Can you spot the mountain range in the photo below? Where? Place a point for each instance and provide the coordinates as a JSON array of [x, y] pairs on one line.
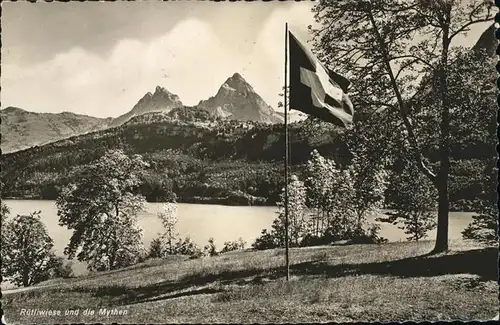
[[235, 99]]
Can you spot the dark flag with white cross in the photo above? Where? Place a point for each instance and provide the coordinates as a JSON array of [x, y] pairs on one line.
[[315, 90]]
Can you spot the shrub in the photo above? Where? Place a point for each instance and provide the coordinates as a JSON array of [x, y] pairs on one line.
[[265, 241], [60, 269], [210, 249], [155, 248], [233, 245], [187, 247]]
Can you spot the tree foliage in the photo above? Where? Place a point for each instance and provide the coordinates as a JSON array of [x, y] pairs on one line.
[[230, 246], [101, 208], [4, 212], [27, 256], [297, 219], [415, 203], [327, 207], [484, 226], [393, 51], [331, 196]]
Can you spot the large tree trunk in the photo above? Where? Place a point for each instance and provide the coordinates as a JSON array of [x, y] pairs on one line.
[[443, 208], [444, 145], [26, 276]]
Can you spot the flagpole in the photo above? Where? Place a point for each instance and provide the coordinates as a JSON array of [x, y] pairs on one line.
[[287, 260]]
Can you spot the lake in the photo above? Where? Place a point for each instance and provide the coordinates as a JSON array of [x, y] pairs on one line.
[[202, 221]]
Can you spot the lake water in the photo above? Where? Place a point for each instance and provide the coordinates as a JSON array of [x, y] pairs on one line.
[[202, 221]]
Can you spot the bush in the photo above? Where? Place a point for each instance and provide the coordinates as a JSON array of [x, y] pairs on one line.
[[126, 258], [265, 241], [369, 236], [233, 245], [187, 247], [210, 249], [60, 269], [313, 240], [155, 248]]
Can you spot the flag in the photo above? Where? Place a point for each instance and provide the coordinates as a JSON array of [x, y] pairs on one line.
[[315, 90]]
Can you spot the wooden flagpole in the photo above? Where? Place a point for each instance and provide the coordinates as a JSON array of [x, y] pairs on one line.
[[287, 260]]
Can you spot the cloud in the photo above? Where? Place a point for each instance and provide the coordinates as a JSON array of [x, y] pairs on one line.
[[190, 60]]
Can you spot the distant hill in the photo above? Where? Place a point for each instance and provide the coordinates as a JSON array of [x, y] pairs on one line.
[[22, 129], [237, 100]]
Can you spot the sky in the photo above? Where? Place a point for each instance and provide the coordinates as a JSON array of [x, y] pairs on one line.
[[100, 58]]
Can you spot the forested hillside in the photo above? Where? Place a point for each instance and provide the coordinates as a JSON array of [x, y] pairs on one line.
[[199, 157]]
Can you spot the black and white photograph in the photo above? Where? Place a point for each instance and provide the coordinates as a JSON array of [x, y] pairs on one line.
[[249, 161]]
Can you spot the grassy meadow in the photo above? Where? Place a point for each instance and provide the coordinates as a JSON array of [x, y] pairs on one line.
[[387, 282]]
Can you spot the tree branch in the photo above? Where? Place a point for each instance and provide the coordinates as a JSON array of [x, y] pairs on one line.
[[402, 106], [411, 56], [471, 22]]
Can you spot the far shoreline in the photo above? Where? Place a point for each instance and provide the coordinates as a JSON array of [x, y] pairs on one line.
[[195, 200], [211, 201]]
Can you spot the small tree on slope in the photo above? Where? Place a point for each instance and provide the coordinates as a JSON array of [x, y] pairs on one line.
[[415, 204], [27, 256]]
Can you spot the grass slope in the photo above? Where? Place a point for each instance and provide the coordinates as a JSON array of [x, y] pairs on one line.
[[389, 282]]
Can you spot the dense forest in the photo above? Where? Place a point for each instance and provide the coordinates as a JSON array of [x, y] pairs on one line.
[[195, 157]]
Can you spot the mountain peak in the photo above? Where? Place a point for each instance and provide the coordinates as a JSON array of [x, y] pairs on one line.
[[162, 90], [237, 76], [237, 83], [236, 99], [161, 100]]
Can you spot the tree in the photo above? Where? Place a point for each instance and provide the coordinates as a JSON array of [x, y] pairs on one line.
[[4, 214], [297, 210], [370, 182], [484, 226], [415, 203], [297, 217], [331, 194], [169, 218], [385, 47], [101, 208], [26, 250]]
